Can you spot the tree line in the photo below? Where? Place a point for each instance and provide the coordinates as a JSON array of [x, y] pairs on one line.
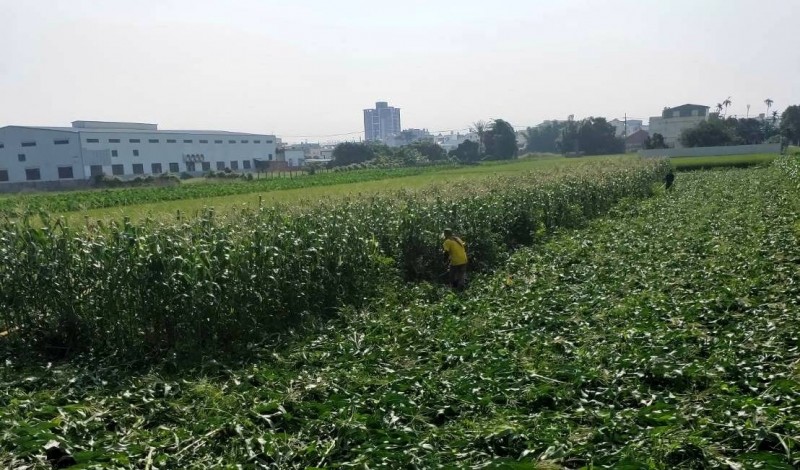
[[589, 136], [742, 131], [496, 141]]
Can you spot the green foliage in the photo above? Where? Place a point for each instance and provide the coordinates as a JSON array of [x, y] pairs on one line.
[[348, 153], [544, 138], [790, 124], [466, 152], [730, 131], [430, 150], [500, 141], [591, 136], [212, 284], [656, 141], [662, 336], [83, 200]]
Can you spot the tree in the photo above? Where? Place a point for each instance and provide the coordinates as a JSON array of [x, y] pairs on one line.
[[480, 129], [501, 140], [597, 137], [719, 108], [656, 141], [768, 102], [466, 152], [710, 133], [790, 124], [749, 131], [347, 153], [543, 138], [727, 103], [432, 151]]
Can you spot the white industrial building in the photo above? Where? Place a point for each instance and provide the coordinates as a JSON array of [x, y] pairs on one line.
[[675, 120], [124, 149]]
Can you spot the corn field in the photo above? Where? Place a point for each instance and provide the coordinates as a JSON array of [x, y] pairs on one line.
[[213, 283]]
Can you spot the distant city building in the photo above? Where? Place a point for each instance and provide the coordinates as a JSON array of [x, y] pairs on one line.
[[124, 149], [674, 120], [382, 122]]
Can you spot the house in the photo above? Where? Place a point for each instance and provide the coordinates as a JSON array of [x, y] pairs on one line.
[[674, 120], [626, 128], [636, 141]]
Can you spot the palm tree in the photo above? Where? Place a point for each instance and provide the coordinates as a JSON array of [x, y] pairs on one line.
[[719, 108], [480, 129], [774, 116], [727, 103], [768, 102]]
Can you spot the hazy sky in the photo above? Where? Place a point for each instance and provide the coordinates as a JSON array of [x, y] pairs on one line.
[[308, 68]]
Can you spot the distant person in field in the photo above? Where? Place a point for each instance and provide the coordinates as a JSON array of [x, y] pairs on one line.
[[669, 179], [455, 249]]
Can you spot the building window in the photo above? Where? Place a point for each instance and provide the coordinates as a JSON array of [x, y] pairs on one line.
[[190, 166], [96, 170], [234, 164], [268, 141], [92, 141], [246, 164], [2, 145], [676, 114], [220, 166], [114, 153], [245, 141], [694, 112], [65, 173], [61, 141], [231, 141], [138, 169], [187, 141], [135, 153], [270, 156], [153, 141], [113, 141], [3, 175], [155, 168], [217, 141], [256, 141], [31, 143], [171, 141], [206, 166], [133, 141], [21, 157], [32, 174], [203, 141], [117, 170], [173, 168]]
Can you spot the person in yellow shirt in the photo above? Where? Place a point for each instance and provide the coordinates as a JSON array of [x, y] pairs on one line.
[[457, 252]]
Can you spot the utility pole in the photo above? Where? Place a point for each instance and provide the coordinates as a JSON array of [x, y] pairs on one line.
[[625, 128]]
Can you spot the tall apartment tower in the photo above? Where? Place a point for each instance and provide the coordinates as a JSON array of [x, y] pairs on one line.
[[381, 122]]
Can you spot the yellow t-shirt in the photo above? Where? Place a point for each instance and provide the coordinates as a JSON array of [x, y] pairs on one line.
[[458, 255]]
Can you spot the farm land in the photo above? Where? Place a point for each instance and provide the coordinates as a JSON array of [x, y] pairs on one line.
[[609, 323]]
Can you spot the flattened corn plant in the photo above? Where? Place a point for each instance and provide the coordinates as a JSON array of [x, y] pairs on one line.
[[211, 284]]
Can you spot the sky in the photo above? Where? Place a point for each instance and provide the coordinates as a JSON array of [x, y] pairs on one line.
[[304, 70]]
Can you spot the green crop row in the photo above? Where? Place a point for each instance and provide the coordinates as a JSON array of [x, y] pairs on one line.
[[94, 199], [664, 335], [209, 284]]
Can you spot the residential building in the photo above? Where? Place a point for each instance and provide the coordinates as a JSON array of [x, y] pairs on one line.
[[382, 122], [674, 120], [635, 142], [452, 140], [408, 136], [625, 128], [124, 149], [309, 150]]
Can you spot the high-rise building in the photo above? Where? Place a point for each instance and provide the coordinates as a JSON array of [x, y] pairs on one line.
[[381, 122]]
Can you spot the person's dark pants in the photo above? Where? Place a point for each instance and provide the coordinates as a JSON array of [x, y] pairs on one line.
[[458, 276]]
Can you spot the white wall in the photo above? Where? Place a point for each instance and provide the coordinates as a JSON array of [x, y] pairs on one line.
[[46, 155], [671, 128], [712, 151], [88, 147]]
